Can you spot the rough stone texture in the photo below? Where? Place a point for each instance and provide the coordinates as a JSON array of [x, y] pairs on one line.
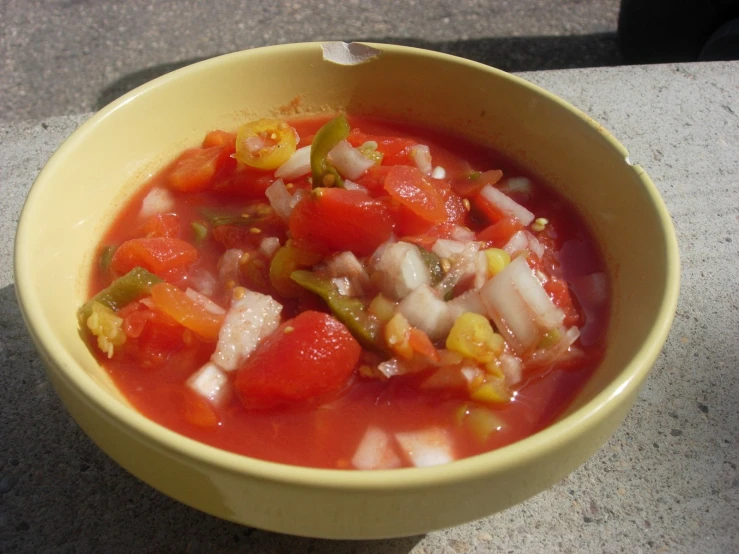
[[71, 56], [667, 480]]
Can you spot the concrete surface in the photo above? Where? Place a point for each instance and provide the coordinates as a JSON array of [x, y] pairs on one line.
[[667, 480], [73, 56]]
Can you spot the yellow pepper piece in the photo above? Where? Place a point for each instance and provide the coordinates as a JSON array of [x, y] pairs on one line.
[[107, 327], [473, 337], [497, 260], [493, 391], [265, 143], [397, 334]]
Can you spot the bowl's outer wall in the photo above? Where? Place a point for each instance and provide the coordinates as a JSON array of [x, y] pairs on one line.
[[97, 169]]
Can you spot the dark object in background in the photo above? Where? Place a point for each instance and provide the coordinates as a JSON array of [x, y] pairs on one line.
[[658, 31]]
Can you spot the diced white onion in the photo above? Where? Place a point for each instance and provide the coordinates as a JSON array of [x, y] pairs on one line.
[[427, 448], [506, 204], [228, 266], [445, 248], [158, 201], [421, 156], [518, 184], [351, 185], [203, 281], [425, 310], [517, 243], [392, 367], [512, 368], [296, 166], [204, 301], [532, 292], [376, 451], [470, 373], [343, 285], [401, 269], [481, 270], [438, 172], [210, 382], [511, 315], [467, 302], [250, 319], [547, 356], [280, 199], [348, 161], [269, 246], [462, 234]]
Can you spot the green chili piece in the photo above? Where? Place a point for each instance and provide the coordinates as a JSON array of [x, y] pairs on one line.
[[433, 263], [124, 290], [106, 257], [350, 311], [200, 230], [328, 136]]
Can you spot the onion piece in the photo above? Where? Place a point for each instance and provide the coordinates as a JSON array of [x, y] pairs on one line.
[[425, 310], [204, 301], [210, 382], [228, 267], [512, 368], [249, 320], [421, 156], [296, 166], [427, 448], [445, 248], [376, 451], [507, 205], [462, 234], [467, 302], [392, 367], [401, 269], [351, 185], [438, 172], [280, 199], [269, 246], [158, 201], [547, 356], [532, 292], [348, 161], [522, 241]]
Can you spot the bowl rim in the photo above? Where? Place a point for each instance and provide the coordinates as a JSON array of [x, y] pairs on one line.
[[535, 446]]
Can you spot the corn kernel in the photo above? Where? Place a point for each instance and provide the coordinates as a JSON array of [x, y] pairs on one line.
[[491, 392], [497, 260], [473, 337]]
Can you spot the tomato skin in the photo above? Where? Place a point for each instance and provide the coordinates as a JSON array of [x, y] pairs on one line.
[[414, 190], [498, 234], [308, 357], [333, 220], [196, 168], [166, 257]]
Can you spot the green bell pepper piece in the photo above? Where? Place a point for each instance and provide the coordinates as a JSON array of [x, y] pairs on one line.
[[328, 136], [124, 290], [350, 311]]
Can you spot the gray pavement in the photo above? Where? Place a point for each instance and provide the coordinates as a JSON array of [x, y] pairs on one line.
[[61, 57]]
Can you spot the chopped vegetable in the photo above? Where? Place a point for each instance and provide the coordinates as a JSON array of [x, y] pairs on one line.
[[375, 451], [106, 257], [480, 422], [124, 290], [350, 311], [497, 260], [296, 166], [166, 257], [286, 260], [306, 358], [187, 312], [210, 382], [200, 231], [400, 269], [250, 319], [348, 161], [195, 169], [107, 327], [414, 190], [265, 143], [427, 448], [327, 137], [433, 264], [506, 205], [472, 336], [425, 310]]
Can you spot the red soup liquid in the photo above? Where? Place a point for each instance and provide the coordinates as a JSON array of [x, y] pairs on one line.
[[198, 201]]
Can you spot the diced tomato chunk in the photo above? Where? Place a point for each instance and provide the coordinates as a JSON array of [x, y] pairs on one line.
[[308, 357], [152, 337], [469, 185], [167, 257], [395, 150], [161, 225], [335, 220], [222, 139], [498, 234], [374, 179], [559, 292], [195, 169], [414, 190], [245, 182]]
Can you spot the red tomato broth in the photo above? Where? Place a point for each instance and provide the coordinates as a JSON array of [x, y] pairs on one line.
[[327, 435]]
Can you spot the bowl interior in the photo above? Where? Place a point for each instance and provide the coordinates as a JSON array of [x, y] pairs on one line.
[[97, 169]]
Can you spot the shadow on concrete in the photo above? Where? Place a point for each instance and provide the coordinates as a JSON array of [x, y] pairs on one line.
[[507, 53], [60, 493]]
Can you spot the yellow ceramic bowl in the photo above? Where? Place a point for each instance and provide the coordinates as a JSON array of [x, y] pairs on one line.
[[97, 168]]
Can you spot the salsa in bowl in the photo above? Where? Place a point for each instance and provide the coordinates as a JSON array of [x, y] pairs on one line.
[[384, 279]]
